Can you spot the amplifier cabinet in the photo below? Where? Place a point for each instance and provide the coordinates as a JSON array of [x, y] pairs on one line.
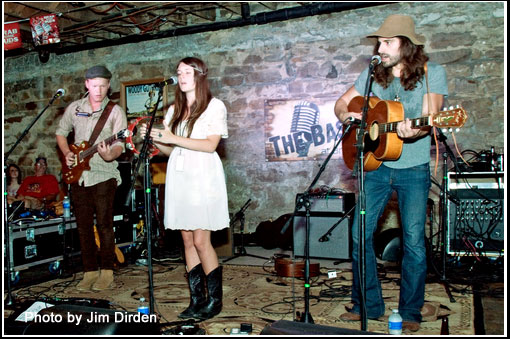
[[326, 210], [335, 202], [338, 245], [33, 243], [475, 214]]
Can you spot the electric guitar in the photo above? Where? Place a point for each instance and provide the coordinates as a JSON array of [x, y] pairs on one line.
[[118, 252], [83, 152], [381, 142]]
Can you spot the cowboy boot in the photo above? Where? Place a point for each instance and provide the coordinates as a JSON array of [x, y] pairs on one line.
[[89, 278], [196, 281], [215, 294], [104, 281]]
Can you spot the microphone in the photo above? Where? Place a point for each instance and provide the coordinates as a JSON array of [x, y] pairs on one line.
[[351, 120], [376, 60], [306, 114], [324, 238], [60, 93], [171, 81]]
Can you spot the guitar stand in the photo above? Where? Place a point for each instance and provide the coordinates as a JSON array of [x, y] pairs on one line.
[[242, 251]]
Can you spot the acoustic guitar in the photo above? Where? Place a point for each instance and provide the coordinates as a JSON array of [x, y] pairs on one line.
[[83, 152], [381, 142]]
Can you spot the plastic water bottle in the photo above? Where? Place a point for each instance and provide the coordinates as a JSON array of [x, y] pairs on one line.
[[67, 207], [143, 308], [395, 323]]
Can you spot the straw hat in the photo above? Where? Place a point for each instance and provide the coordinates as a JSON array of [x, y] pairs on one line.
[[399, 25]]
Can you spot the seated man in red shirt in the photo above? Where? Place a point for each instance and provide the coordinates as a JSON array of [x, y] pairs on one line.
[[38, 190]]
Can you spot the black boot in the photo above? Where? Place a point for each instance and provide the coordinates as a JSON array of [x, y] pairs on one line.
[[215, 294], [196, 280]]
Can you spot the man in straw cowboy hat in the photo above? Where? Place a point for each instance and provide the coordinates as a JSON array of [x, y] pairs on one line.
[[400, 76]]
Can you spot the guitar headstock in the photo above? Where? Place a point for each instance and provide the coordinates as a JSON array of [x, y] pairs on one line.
[[454, 117], [123, 134]]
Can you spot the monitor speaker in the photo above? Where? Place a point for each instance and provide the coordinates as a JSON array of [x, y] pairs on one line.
[[338, 245], [69, 319], [293, 328]]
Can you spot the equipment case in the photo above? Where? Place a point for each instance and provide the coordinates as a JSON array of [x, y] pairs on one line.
[[35, 242]]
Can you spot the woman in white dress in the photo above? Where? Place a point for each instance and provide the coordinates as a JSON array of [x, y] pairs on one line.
[[195, 191]]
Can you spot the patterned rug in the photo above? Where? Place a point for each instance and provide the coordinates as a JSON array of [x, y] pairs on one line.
[[258, 296]]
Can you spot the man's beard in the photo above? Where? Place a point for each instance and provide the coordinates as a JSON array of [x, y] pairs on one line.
[[394, 60]]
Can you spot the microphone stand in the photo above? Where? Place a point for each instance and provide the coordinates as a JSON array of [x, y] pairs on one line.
[[304, 200], [242, 251], [325, 236], [444, 209], [9, 299], [147, 186], [359, 168]]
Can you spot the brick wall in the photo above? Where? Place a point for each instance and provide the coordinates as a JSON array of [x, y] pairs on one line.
[[313, 57]]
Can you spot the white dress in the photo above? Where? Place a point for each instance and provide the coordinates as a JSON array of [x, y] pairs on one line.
[[196, 192]]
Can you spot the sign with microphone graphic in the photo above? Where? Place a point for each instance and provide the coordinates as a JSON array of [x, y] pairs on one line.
[[296, 130]]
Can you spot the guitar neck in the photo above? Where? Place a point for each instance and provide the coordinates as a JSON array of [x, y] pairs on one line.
[[90, 151], [415, 123]]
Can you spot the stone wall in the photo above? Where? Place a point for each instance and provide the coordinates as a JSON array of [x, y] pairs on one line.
[[308, 58]]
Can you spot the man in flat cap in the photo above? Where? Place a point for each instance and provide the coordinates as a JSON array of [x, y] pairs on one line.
[[94, 119], [404, 75]]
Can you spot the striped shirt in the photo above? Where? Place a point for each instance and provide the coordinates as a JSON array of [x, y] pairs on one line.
[[76, 117]]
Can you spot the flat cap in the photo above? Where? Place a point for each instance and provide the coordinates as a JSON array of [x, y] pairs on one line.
[[98, 72]]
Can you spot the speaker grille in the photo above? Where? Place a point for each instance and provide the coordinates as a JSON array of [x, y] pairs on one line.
[[336, 246]]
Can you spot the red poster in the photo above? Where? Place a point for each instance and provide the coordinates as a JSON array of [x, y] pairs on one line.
[[45, 29], [12, 36]]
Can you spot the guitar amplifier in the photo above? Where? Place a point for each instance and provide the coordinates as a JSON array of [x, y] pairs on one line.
[[328, 210], [334, 201]]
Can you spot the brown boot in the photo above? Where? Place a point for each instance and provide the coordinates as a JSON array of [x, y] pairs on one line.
[[104, 281], [89, 278]]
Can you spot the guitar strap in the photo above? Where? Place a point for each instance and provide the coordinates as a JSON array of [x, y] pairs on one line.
[[100, 123]]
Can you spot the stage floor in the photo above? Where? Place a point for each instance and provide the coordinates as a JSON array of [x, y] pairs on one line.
[[255, 293]]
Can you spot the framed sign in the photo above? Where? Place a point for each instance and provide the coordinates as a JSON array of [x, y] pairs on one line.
[[139, 97], [300, 130]]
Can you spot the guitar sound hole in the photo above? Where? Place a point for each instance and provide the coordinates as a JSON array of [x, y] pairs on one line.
[[374, 131]]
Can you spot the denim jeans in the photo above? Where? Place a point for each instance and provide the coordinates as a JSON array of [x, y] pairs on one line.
[[412, 186]]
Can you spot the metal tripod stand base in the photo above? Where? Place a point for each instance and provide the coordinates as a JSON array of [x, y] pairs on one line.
[[243, 253]]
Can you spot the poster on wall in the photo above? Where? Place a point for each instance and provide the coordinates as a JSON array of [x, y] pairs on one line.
[[300, 130], [45, 29], [139, 97], [12, 36]]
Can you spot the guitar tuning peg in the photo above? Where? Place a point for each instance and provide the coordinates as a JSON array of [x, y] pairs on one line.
[[457, 130], [444, 130], [457, 106], [450, 130], [451, 107]]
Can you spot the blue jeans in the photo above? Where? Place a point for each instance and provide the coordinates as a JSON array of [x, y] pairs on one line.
[[412, 186]]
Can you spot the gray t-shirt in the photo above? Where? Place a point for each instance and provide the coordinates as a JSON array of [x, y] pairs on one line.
[[414, 152]]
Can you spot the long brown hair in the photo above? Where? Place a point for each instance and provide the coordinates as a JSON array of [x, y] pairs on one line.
[[413, 58], [202, 96], [9, 178]]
